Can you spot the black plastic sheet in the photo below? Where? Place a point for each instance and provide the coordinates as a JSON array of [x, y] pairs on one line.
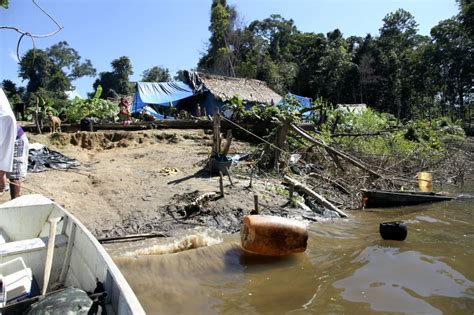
[[42, 159]]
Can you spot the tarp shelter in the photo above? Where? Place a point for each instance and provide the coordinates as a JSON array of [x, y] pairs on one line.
[[162, 93], [304, 101]]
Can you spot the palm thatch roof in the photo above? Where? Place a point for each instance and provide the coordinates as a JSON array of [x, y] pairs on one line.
[[249, 90]]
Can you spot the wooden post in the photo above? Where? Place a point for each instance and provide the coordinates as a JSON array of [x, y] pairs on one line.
[[228, 175], [221, 183], [255, 203], [291, 191], [281, 140], [37, 122], [251, 177], [216, 135]]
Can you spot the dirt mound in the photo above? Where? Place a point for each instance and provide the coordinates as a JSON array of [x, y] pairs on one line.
[[120, 139]]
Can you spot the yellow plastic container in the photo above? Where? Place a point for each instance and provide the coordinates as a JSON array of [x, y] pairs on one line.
[[424, 181]]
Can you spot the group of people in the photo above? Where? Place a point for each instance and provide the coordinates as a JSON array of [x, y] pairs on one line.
[[13, 150]]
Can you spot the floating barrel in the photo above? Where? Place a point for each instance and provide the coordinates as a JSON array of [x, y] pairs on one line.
[[273, 236], [396, 230]]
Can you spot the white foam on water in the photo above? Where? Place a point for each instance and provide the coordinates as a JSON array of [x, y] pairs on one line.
[[191, 240]]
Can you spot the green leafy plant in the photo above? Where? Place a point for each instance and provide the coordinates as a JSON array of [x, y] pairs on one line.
[[95, 108]]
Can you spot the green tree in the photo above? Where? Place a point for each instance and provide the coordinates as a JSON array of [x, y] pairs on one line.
[[53, 70], [397, 39], [116, 82], [333, 68], [466, 16], [453, 57], [272, 40], [219, 58], [156, 74], [13, 93]]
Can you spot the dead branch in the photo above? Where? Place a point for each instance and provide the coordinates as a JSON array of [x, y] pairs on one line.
[[342, 188], [353, 161], [299, 186]]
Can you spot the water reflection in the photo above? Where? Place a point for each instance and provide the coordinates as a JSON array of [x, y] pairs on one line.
[[395, 281], [346, 269]]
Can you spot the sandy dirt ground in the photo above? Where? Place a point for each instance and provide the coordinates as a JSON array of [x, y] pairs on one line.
[[123, 186]]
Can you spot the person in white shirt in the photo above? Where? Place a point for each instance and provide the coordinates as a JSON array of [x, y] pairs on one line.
[[8, 131]]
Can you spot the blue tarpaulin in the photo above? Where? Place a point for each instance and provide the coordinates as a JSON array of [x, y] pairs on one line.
[[162, 93], [305, 101]]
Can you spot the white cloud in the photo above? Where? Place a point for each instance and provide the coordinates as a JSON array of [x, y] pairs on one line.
[[13, 55], [72, 94]]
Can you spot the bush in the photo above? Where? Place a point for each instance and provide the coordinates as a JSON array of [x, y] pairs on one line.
[[94, 107]]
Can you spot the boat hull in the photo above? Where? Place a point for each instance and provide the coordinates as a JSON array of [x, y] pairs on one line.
[[78, 258], [386, 199]]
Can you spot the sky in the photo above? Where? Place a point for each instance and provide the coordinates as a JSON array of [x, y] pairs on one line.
[[174, 33]]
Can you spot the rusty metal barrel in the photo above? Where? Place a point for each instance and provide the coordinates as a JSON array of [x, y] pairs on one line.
[[273, 236]]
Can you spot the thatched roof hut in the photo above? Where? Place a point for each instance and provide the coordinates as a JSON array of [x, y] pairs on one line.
[[249, 90]]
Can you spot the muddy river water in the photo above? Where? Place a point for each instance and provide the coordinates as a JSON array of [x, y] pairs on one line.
[[346, 269]]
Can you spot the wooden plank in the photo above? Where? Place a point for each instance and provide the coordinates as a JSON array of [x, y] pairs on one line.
[[30, 245]]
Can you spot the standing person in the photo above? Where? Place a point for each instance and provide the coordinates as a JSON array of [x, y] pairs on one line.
[[198, 110], [124, 111], [20, 162], [7, 138]]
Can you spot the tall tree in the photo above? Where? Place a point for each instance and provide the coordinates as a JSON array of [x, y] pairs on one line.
[[218, 58], [397, 39], [53, 70], [116, 82], [453, 56], [156, 74]]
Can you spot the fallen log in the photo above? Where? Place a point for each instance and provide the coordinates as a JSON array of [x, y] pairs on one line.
[[351, 160], [323, 201]]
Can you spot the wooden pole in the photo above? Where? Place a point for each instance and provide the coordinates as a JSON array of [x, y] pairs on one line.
[[133, 237], [321, 200], [255, 203], [221, 183], [37, 122], [251, 177], [281, 140], [228, 176], [291, 191], [216, 134], [49, 253]]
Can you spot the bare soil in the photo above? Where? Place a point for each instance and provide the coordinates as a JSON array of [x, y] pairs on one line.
[[127, 184]]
